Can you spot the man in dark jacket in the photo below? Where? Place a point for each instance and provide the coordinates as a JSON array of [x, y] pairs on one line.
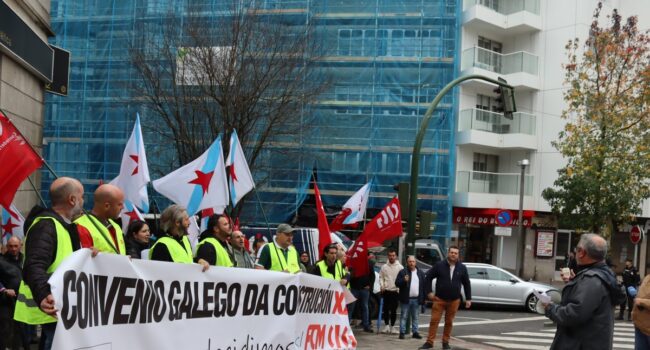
[[411, 295], [630, 279], [10, 335], [450, 274], [361, 287], [585, 317], [66, 195]]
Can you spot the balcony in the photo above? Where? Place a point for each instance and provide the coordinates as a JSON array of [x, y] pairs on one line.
[[478, 189], [520, 69], [503, 17], [485, 128]]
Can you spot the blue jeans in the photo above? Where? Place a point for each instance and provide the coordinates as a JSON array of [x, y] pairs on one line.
[[362, 296], [47, 336], [411, 309], [641, 341]]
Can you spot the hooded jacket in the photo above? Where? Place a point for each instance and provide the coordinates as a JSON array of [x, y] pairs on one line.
[[585, 317]]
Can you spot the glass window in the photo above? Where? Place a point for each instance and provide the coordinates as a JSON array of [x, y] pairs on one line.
[[498, 275], [477, 273], [427, 256]]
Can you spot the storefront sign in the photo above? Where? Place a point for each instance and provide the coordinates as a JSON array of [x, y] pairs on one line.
[[476, 216], [544, 244], [20, 42], [61, 75]]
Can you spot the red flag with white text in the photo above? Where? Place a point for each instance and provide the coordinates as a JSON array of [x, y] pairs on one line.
[[17, 161], [386, 225], [358, 257]]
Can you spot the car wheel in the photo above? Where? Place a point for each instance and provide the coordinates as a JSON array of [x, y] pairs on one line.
[[531, 303]]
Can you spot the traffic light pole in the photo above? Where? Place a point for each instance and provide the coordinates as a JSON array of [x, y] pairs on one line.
[[415, 159]]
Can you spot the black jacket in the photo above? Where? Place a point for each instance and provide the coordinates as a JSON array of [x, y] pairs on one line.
[[362, 282], [134, 248], [631, 277], [448, 288], [10, 277], [585, 317], [40, 249], [405, 287]]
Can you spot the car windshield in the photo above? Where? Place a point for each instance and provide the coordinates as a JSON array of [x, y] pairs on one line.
[[427, 256]]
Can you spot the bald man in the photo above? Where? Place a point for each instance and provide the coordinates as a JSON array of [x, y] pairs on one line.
[[51, 236], [98, 228]]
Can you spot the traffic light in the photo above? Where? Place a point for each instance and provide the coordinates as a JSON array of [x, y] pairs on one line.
[[426, 220], [505, 100]]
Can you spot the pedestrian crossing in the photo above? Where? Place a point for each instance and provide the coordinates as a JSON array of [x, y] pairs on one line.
[[541, 340]]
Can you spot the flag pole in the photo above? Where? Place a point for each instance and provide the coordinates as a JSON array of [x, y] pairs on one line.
[[268, 227], [37, 192]]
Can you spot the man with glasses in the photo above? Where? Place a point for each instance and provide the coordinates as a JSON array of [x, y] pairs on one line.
[[585, 316], [280, 255]]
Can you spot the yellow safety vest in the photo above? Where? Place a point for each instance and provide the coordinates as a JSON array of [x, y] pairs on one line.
[[102, 239], [27, 310], [280, 263], [223, 258], [179, 253], [338, 270]]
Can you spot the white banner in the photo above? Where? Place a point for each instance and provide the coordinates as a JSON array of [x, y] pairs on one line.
[[111, 302]]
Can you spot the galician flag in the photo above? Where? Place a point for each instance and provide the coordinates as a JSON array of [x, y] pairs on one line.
[[12, 224], [241, 180], [354, 209], [129, 213], [134, 172], [200, 184]]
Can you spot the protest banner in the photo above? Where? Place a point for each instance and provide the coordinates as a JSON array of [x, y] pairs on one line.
[[112, 302]]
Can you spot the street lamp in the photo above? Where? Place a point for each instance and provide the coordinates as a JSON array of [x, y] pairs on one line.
[[520, 223]]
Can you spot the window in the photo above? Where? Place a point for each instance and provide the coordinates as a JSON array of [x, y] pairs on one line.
[[477, 273], [427, 256], [498, 275], [483, 164]]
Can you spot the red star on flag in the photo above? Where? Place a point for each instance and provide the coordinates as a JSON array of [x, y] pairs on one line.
[[132, 215], [233, 176], [8, 227], [135, 159], [202, 179]]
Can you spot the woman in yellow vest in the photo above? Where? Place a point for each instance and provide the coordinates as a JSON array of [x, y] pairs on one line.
[[331, 267], [174, 246]]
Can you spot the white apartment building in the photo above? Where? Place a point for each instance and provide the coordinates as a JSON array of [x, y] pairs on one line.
[[522, 41]]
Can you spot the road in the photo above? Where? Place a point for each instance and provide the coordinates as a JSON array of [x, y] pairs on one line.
[[489, 328]]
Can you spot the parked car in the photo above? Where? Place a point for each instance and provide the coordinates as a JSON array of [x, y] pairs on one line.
[[493, 285]]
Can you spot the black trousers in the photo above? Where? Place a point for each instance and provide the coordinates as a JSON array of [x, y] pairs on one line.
[[391, 300], [630, 303]]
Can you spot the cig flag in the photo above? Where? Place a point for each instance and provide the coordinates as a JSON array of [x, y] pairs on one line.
[[134, 172], [12, 224], [241, 180], [200, 184], [354, 209], [324, 235], [17, 160], [386, 225]]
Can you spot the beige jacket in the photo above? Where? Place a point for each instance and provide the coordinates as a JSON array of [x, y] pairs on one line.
[[641, 310], [388, 274]]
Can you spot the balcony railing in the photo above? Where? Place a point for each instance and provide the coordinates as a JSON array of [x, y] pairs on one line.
[[507, 7], [478, 119], [494, 183], [515, 62]]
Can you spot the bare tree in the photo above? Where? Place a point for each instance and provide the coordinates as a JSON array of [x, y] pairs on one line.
[[208, 71]]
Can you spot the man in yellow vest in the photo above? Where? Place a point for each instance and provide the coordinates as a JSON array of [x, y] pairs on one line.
[[214, 247], [331, 267], [280, 255], [97, 228], [51, 236]]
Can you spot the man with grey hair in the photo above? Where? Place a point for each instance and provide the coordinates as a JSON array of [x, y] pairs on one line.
[[585, 316], [242, 258]]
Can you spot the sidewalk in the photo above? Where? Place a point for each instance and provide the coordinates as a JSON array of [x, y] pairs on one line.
[[367, 341]]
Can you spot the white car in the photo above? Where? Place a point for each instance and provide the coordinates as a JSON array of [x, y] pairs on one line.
[[493, 285]]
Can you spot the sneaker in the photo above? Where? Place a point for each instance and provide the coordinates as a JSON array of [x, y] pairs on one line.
[[426, 346], [445, 346], [417, 336], [401, 335], [386, 329]]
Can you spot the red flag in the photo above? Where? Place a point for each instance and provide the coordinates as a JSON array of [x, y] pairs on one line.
[[324, 235], [337, 223], [358, 257], [18, 161], [386, 225]]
